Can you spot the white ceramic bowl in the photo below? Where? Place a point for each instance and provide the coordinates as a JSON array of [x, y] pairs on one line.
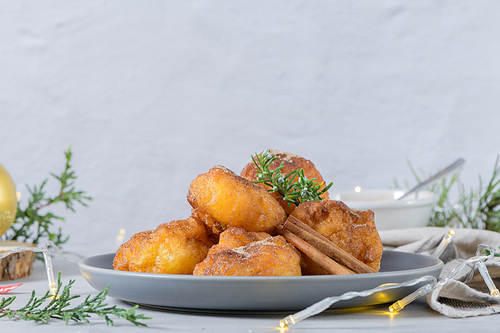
[[412, 211]]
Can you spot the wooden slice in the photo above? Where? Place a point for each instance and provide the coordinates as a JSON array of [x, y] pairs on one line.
[[15, 265]]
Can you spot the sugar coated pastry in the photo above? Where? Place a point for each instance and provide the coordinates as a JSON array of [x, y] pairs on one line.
[[173, 248], [225, 200]]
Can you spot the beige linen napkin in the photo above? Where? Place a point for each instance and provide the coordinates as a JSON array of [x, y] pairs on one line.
[[460, 297], [425, 241]]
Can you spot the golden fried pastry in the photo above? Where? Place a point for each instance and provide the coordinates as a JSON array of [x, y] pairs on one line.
[[173, 248], [291, 162], [351, 229], [242, 253], [237, 237], [223, 199]]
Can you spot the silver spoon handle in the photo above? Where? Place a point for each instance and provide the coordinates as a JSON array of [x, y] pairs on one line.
[[437, 176]]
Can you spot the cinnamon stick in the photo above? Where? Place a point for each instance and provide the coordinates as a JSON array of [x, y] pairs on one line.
[[331, 266], [325, 246]]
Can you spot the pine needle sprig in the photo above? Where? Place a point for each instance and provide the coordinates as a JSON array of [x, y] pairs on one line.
[[32, 224], [293, 187], [57, 307]]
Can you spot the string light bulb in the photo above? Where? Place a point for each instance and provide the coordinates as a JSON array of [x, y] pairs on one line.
[[422, 291], [443, 244], [487, 279]]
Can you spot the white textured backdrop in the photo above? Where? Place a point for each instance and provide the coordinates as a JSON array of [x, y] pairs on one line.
[[152, 93]]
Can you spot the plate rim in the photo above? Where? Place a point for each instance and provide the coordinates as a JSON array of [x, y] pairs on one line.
[[82, 263], [173, 291]]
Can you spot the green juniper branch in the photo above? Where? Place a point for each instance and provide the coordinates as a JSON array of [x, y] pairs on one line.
[[57, 307], [477, 208], [481, 208], [31, 224]]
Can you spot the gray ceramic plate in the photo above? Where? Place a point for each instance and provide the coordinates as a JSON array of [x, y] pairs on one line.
[[256, 294]]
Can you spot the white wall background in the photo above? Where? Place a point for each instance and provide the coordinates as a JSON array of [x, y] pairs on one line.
[[152, 93]]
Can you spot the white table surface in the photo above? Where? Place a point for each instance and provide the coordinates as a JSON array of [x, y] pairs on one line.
[[416, 317]]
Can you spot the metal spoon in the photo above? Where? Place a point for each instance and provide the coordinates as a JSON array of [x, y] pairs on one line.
[[437, 176]]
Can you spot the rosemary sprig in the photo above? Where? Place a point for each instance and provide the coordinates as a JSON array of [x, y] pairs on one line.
[[31, 225], [294, 187], [57, 307]]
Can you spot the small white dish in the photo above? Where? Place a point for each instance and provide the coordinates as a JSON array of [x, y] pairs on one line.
[[412, 211]]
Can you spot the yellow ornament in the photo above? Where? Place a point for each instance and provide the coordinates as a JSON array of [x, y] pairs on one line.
[[8, 201]]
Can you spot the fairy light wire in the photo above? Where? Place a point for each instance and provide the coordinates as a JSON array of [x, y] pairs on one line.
[[422, 291], [432, 283], [397, 306], [472, 263], [327, 302], [47, 259]]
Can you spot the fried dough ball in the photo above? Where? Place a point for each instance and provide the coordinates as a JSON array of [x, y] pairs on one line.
[[223, 199], [173, 248], [237, 237], [242, 253], [291, 162], [351, 229]]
